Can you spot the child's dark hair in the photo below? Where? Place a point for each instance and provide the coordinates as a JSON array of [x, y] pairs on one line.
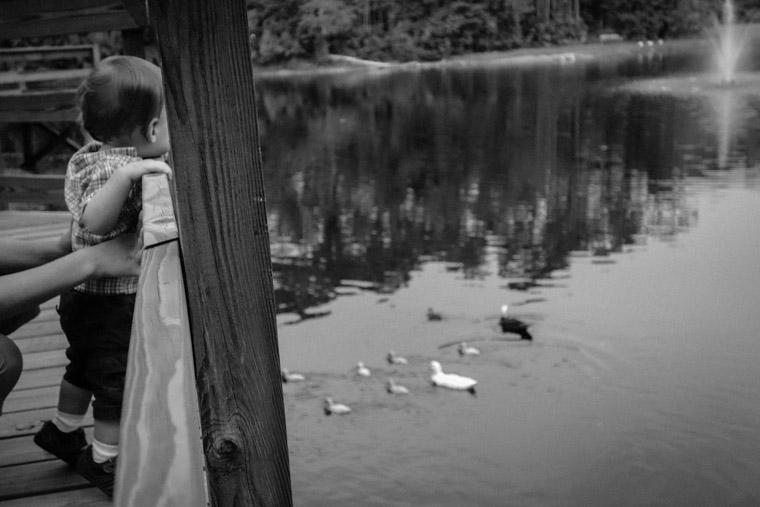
[[120, 94]]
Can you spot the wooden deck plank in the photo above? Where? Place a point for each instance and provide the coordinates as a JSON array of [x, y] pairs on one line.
[[30, 399], [29, 422], [47, 359], [37, 328], [89, 497], [22, 449], [41, 343], [37, 379], [42, 478]]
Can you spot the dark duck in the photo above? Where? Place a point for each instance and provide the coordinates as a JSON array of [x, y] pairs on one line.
[[514, 326]]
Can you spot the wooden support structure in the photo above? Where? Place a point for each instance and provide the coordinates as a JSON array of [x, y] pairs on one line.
[[31, 188], [212, 431], [221, 213], [44, 18]]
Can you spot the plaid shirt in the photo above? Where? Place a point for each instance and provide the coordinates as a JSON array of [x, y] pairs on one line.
[[88, 171]]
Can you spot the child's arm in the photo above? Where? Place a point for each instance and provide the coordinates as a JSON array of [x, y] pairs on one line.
[[102, 211]]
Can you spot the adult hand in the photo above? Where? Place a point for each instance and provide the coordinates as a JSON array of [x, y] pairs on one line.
[[120, 256], [64, 242]]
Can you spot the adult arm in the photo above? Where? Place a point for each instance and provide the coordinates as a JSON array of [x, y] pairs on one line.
[[17, 255], [118, 257]]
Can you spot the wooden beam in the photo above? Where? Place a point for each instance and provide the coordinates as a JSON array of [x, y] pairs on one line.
[[32, 188], [42, 100], [43, 18], [221, 214], [162, 452], [138, 9]]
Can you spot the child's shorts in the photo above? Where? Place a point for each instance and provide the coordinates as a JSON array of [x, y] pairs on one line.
[[98, 330]]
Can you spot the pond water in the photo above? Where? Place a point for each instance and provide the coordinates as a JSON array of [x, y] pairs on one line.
[[621, 224]]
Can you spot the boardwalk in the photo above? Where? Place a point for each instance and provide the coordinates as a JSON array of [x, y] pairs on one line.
[[28, 475]]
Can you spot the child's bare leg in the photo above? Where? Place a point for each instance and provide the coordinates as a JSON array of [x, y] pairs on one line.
[[107, 432], [105, 441], [72, 399]]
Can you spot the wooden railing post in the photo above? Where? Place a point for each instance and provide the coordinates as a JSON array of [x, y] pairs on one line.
[[221, 213]]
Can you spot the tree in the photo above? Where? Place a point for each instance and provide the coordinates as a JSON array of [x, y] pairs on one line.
[[322, 20]]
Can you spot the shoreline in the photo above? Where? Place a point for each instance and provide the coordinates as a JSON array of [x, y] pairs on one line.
[[340, 64], [567, 54]]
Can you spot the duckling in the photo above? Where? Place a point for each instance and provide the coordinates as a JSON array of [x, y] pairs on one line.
[[362, 370], [394, 359], [433, 315], [514, 326], [467, 350], [331, 407], [392, 387], [291, 377], [451, 380]]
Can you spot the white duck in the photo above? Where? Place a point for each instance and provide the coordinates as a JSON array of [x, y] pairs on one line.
[[451, 380], [392, 387], [335, 408], [394, 359], [291, 377], [467, 350], [362, 370]]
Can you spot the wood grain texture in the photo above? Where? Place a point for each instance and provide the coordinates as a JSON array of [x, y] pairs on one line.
[[37, 188], [90, 497], [161, 462], [44, 477], [221, 213], [159, 224], [29, 422], [21, 450], [43, 18]]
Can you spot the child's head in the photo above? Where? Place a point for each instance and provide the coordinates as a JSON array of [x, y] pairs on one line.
[[122, 94]]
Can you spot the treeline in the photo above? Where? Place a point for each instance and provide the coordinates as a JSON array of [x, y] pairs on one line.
[[406, 30]]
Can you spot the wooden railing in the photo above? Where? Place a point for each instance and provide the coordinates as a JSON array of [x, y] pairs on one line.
[[162, 454], [46, 189], [34, 92], [43, 94]]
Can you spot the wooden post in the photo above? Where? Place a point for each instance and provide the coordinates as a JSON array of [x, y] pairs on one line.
[[221, 213]]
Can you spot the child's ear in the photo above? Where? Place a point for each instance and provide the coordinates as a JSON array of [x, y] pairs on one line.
[[152, 130]]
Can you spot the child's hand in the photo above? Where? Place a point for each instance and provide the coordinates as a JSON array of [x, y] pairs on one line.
[[136, 170]]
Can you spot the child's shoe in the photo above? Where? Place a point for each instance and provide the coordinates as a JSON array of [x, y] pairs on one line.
[[65, 446], [101, 475]]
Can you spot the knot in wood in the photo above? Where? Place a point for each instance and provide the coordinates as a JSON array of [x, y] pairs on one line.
[[226, 456]]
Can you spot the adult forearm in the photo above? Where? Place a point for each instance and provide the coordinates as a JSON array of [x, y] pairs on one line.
[[25, 254], [34, 286]]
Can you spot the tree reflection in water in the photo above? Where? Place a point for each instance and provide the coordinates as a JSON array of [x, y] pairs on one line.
[[370, 174]]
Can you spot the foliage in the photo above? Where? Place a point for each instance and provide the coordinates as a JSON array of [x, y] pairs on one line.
[[649, 19], [405, 30]]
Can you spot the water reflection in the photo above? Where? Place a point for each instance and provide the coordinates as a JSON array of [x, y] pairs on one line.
[[370, 175]]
